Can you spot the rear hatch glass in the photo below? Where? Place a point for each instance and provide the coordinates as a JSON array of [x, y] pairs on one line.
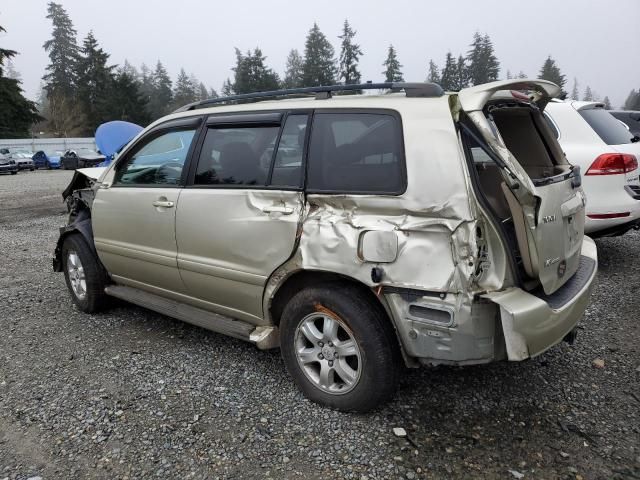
[[608, 128]]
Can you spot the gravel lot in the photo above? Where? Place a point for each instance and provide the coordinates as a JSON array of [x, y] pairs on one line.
[[134, 394]]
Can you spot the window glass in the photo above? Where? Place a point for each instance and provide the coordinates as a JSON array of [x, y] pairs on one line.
[[552, 125], [157, 162], [236, 156], [287, 169], [356, 152], [606, 126]]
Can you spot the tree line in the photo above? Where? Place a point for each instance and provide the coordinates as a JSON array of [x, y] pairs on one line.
[[81, 88]]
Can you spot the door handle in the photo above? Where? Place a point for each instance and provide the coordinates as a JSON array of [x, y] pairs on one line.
[[284, 210], [163, 203]]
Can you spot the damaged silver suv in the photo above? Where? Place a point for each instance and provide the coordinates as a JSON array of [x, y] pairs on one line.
[[358, 233]]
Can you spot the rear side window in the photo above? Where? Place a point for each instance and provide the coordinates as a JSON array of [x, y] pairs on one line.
[[236, 156], [606, 126], [356, 153]]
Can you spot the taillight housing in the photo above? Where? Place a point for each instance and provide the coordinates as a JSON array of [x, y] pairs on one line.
[[613, 164]]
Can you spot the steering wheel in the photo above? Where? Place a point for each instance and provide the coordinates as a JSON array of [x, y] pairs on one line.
[[170, 167]]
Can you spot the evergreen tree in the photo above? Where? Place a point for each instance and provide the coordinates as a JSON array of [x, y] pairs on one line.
[[350, 53], [126, 101], [203, 93], [449, 73], [213, 93], [252, 75], [434, 73], [129, 70], [319, 66], [184, 91], [11, 72], [575, 94], [550, 71], [392, 71], [462, 74], [293, 71], [63, 53], [633, 101], [509, 76], [95, 80], [17, 114], [588, 94], [482, 64], [161, 100], [607, 103], [521, 74], [146, 83], [227, 88]]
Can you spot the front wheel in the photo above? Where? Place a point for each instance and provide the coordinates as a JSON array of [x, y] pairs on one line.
[[14, 172], [340, 348], [84, 274]]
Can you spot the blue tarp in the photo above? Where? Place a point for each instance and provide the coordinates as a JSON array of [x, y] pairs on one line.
[[112, 136]]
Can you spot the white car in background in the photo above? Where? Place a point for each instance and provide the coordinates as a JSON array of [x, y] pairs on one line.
[[607, 155]]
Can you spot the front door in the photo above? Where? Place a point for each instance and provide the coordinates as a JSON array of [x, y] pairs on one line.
[[237, 220], [134, 217]]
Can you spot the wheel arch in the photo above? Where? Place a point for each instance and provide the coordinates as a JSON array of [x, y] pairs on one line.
[[298, 280], [81, 226]]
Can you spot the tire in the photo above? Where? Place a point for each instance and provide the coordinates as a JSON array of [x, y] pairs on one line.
[[86, 284], [47, 165], [14, 172], [373, 363]]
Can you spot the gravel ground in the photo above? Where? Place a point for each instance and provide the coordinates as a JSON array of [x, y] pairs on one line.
[[134, 394]]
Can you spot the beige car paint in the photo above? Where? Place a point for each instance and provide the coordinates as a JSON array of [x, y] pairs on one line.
[[444, 245]]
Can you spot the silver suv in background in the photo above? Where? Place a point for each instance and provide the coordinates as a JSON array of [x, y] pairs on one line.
[[356, 232]]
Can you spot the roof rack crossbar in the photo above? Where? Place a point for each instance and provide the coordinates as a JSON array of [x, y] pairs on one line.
[[416, 89]]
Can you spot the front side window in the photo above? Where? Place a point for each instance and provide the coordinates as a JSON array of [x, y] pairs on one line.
[[159, 161], [356, 153], [236, 156]]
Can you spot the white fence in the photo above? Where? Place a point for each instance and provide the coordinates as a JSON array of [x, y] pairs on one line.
[[49, 144]]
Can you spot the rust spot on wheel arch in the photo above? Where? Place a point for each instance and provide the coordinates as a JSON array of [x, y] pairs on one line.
[[322, 309]]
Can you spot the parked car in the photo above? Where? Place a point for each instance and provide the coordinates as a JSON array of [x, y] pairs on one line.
[[630, 118], [81, 158], [413, 227], [607, 154], [23, 159], [48, 160], [8, 164]]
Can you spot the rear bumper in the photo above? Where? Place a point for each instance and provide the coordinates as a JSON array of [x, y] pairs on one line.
[[532, 324]]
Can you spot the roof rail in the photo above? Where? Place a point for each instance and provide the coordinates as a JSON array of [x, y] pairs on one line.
[[411, 89]]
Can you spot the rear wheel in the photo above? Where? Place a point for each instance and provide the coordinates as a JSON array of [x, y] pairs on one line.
[[14, 172], [340, 348], [84, 274], [47, 165]]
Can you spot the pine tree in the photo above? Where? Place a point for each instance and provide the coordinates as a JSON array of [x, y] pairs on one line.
[[213, 93], [63, 53], [227, 88], [633, 101], [349, 56], [434, 73], [129, 70], [251, 73], [509, 76], [550, 71], [575, 94], [160, 102], [588, 94], [462, 74], [482, 64], [203, 93], [392, 71], [11, 72], [607, 103], [319, 66], [449, 73], [293, 70], [126, 101], [146, 83], [521, 74], [17, 114], [95, 80], [184, 91]]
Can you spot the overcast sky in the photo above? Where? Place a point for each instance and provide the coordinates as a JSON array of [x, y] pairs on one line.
[[596, 40]]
